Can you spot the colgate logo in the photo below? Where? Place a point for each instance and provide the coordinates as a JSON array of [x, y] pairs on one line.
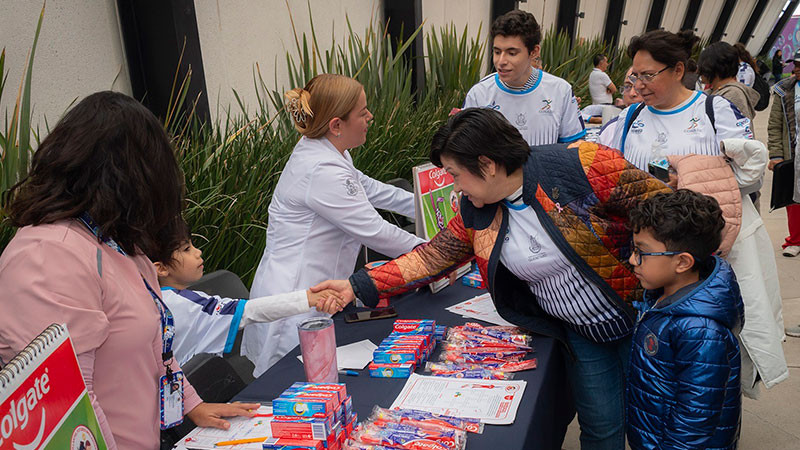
[[405, 327], [424, 444], [437, 176], [19, 413]]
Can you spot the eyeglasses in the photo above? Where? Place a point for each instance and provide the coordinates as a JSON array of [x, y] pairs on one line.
[[627, 87], [638, 253], [646, 78]]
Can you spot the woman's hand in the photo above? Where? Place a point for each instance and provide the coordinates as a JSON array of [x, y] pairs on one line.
[[211, 414], [773, 162], [343, 287], [327, 301]]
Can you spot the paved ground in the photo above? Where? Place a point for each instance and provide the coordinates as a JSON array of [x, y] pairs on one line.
[[773, 421]]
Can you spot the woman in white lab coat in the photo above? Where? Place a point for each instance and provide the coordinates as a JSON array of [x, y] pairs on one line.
[[322, 210]]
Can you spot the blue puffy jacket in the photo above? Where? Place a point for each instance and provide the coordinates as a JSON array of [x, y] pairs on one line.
[[683, 387]]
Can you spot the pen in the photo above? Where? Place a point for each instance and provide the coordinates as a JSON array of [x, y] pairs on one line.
[[351, 373], [242, 441], [262, 415]]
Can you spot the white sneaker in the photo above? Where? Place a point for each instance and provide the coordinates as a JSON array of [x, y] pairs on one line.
[[791, 251]]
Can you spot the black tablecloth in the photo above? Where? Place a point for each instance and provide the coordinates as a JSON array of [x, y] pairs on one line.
[[544, 413]]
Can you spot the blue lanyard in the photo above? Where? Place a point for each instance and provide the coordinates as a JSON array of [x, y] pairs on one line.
[[167, 320]]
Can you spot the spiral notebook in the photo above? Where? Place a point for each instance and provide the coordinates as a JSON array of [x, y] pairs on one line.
[[43, 399]]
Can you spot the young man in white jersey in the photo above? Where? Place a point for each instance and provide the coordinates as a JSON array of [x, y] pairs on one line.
[[540, 105]]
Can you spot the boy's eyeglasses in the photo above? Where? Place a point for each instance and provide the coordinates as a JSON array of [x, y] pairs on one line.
[[646, 78], [638, 253]]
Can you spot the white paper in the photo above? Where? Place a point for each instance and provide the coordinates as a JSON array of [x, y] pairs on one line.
[[241, 428], [481, 308], [492, 401], [353, 356]]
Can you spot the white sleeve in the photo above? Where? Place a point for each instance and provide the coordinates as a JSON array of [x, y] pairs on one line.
[[335, 195], [274, 307], [471, 100], [608, 132], [729, 122], [615, 140], [386, 196], [572, 127], [606, 79]]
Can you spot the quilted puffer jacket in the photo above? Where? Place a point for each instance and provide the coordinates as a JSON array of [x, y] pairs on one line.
[[582, 197], [683, 388]]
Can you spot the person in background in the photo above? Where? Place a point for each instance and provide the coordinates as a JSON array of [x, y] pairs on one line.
[[777, 66], [684, 389], [782, 142], [104, 189], [718, 66], [209, 323], [747, 66], [540, 105], [691, 79], [322, 210], [600, 85], [674, 121], [557, 251], [629, 97]]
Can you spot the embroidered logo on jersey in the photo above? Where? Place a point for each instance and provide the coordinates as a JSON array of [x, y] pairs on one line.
[[493, 106], [745, 124], [650, 344], [350, 187], [547, 108], [637, 127], [521, 120], [661, 138], [535, 248], [693, 126]]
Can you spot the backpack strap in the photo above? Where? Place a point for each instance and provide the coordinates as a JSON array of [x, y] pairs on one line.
[[710, 111], [633, 113]]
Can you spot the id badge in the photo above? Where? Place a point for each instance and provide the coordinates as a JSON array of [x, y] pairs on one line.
[[171, 400]]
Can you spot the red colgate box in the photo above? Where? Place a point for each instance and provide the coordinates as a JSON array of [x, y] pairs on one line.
[[403, 370], [423, 339], [396, 355], [347, 410], [350, 426], [305, 404], [292, 444], [294, 427], [414, 326], [332, 387]]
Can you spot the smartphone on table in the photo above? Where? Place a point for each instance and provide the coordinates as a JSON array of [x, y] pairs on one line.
[[375, 314]]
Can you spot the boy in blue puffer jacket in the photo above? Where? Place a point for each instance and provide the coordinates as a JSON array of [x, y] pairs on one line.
[[683, 388]]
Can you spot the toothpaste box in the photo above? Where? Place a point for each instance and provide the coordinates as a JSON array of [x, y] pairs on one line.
[[347, 409], [414, 326], [395, 355], [350, 425], [382, 370], [292, 444], [473, 279], [440, 332], [305, 404], [294, 427], [337, 387]]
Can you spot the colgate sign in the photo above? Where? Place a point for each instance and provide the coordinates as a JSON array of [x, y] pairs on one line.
[[30, 414], [433, 179]]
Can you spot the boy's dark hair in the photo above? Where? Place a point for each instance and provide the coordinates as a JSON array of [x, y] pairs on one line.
[[108, 156], [518, 23], [664, 46], [183, 235], [684, 220], [718, 61], [598, 58], [475, 132]]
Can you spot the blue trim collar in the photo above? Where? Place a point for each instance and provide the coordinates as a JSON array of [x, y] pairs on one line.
[[526, 91], [676, 111]]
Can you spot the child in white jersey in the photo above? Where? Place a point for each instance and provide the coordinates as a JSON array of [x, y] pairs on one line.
[[540, 105], [208, 323]]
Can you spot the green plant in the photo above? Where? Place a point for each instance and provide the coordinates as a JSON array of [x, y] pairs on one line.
[[16, 147]]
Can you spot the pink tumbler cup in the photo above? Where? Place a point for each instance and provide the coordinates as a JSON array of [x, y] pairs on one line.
[[318, 347]]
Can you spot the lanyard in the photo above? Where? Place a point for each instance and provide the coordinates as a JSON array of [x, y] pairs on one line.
[[167, 320]]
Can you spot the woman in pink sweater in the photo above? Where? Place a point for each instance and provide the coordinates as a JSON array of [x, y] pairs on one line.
[[104, 189]]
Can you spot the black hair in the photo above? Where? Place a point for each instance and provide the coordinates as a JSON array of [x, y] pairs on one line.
[[183, 235], [108, 156], [684, 220], [597, 58], [718, 61], [745, 56], [475, 132], [664, 46], [518, 23]]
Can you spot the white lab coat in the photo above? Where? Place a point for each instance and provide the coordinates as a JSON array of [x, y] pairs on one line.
[[322, 210]]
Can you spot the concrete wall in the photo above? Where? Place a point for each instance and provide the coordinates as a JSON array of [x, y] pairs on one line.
[[707, 18], [545, 12], [636, 13], [594, 18], [765, 25], [674, 13], [474, 14], [80, 51], [738, 20]]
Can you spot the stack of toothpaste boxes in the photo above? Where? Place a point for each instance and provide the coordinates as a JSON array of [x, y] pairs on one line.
[[409, 345], [312, 416]]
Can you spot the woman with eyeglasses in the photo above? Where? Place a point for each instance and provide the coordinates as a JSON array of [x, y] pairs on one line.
[[673, 122]]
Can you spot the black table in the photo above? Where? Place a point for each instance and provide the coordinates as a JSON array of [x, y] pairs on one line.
[[544, 413]]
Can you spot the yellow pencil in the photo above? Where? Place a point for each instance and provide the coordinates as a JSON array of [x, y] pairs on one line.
[[242, 441]]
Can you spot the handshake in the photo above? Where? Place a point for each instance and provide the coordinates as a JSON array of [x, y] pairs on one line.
[[330, 296]]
